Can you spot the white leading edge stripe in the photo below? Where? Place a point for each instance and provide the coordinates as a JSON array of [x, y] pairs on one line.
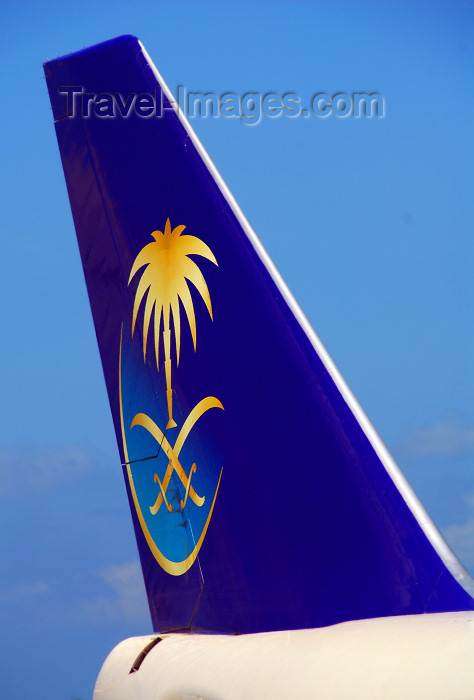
[[422, 517]]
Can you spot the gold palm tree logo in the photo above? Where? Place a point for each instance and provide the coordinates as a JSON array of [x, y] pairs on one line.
[[165, 279]]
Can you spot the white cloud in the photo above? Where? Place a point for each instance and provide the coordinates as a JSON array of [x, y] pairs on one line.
[[461, 537], [39, 470], [441, 439], [24, 592], [120, 575], [35, 588], [127, 600]]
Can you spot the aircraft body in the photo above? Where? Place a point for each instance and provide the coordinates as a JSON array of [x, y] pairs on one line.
[[283, 552]]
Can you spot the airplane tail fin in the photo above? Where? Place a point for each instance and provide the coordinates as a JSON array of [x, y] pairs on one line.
[[261, 497]]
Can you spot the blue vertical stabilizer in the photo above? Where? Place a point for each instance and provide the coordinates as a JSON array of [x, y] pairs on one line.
[[261, 497]]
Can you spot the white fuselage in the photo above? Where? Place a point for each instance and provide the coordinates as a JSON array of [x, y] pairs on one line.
[[415, 657]]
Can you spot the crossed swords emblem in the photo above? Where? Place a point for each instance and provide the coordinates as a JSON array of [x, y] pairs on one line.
[[174, 465]]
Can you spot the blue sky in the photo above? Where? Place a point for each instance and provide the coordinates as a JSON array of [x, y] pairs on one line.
[[369, 221]]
